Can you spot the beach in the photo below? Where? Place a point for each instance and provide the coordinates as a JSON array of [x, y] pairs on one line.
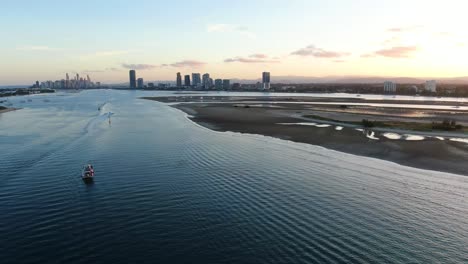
[[4, 110], [312, 124]]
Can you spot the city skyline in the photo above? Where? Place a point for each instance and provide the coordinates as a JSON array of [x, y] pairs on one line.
[[295, 38]]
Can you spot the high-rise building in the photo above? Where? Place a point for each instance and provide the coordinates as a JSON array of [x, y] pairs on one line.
[[226, 84], [132, 74], [389, 87], [206, 81], [431, 86], [187, 80], [179, 80], [218, 84], [140, 83], [266, 80], [259, 86], [67, 81], [196, 79]]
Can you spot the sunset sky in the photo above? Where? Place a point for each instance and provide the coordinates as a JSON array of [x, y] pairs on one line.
[[43, 40]]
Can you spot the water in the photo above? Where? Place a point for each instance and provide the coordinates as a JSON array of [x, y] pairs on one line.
[[170, 191]]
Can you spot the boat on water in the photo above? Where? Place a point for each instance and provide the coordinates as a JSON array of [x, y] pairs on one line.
[[87, 173]]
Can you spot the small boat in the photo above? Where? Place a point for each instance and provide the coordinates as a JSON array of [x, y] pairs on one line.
[[87, 173]]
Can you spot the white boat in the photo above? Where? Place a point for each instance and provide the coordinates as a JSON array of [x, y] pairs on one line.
[[87, 173]]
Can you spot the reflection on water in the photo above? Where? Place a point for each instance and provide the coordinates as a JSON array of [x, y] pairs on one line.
[[167, 190]]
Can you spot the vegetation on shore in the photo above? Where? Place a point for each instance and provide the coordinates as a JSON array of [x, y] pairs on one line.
[[23, 91], [445, 125]]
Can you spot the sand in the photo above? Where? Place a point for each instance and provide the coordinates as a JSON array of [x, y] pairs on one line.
[[430, 153], [7, 110]]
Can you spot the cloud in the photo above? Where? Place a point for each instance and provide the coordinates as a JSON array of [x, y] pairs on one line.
[[254, 58], [392, 40], [219, 28], [339, 61], [111, 53], [397, 52], [443, 34], [35, 48], [223, 28], [395, 29], [403, 29], [313, 51], [92, 71], [138, 66], [393, 52], [258, 56], [185, 63], [104, 53], [368, 55], [105, 70]]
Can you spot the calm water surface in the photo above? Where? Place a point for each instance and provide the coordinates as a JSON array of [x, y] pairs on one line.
[[170, 191]]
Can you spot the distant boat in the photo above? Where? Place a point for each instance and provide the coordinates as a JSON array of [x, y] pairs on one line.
[[87, 173]]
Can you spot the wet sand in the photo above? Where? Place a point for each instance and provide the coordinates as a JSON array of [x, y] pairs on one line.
[[431, 153], [7, 110]]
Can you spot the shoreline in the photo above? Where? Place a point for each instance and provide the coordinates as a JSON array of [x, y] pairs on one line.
[[431, 153], [7, 110]]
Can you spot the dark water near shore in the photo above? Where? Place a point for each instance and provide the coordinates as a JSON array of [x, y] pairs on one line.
[[169, 191]]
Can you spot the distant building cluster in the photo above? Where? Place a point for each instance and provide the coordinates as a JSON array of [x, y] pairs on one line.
[[202, 82], [429, 87], [389, 87], [198, 81], [76, 82]]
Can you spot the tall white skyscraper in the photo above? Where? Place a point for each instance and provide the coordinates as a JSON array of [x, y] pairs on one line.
[[206, 80], [196, 79], [430, 86], [140, 83], [389, 87]]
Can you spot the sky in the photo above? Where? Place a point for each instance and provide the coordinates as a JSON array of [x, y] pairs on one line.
[[43, 40]]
